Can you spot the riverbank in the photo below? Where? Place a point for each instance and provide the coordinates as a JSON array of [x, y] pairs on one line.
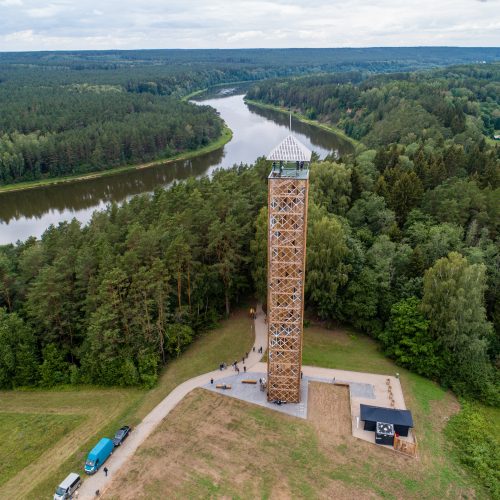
[[189, 96], [301, 118], [195, 93], [226, 136]]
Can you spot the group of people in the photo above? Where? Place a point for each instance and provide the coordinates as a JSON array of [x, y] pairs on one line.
[[223, 366], [235, 364]]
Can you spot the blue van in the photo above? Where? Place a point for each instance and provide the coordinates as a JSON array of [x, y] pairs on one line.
[[99, 454]]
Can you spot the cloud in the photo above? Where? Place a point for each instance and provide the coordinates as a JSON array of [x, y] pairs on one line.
[[10, 3], [20, 36], [50, 10], [93, 24]]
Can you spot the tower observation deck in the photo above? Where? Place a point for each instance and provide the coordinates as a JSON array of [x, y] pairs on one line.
[[288, 189]]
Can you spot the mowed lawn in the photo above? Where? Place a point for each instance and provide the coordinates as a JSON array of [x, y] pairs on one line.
[[25, 436], [212, 446], [76, 418]]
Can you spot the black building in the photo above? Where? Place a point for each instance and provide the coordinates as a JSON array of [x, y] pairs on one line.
[[400, 419]]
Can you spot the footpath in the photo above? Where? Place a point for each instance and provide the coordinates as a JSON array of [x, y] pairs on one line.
[[100, 482]]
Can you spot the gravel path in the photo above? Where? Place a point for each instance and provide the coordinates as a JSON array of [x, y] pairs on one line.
[[120, 456]]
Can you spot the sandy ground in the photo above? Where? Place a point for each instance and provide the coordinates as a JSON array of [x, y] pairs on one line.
[[328, 409]]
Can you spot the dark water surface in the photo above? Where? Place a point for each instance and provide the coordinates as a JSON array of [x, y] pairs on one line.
[[255, 133]]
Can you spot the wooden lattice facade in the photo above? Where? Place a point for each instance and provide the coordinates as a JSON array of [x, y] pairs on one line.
[[287, 229]]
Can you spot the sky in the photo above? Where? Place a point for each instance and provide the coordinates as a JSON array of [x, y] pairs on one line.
[[136, 24]]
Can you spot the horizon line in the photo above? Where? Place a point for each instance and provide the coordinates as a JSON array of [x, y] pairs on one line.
[[467, 47]]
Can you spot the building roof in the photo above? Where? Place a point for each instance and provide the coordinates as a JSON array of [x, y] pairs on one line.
[[387, 415], [290, 149]]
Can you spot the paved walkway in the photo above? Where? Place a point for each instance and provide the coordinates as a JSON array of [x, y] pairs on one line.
[[251, 393], [122, 454]]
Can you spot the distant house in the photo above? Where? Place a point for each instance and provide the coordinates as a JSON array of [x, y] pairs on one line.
[[496, 137]]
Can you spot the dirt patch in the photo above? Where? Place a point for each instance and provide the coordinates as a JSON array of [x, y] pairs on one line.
[[340, 491], [329, 410]]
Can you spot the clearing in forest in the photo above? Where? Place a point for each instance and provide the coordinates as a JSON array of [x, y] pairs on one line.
[[213, 445]]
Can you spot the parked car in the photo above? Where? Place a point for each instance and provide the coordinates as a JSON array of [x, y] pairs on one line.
[[66, 489], [99, 454], [121, 435]]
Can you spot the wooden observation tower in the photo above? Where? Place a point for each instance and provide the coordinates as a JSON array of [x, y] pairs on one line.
[[287, 231]]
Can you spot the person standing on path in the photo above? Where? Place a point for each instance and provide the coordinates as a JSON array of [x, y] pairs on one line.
[[106, 471]]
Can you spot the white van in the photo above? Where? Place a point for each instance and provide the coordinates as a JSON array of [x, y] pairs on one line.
[[66, 489]]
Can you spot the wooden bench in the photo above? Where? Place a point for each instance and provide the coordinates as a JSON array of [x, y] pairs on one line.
[[249, 381], [223, 386]]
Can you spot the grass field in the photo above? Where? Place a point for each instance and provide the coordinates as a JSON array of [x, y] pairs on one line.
[[73, 420], [25, 436], [213, 446]]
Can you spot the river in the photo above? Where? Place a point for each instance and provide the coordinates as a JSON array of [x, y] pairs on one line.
[[256, 132]]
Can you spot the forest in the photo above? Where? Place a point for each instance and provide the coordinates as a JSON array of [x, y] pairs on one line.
[[411, 221], [397, 108], [67, 113], [58, 131], [402, 244]]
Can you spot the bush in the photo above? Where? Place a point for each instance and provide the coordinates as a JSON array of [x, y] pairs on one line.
[[475, 446], [148, 369], [406, 339], [53, 370], [177, 338]]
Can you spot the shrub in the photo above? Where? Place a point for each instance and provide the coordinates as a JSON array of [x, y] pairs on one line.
[[475, 446]]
